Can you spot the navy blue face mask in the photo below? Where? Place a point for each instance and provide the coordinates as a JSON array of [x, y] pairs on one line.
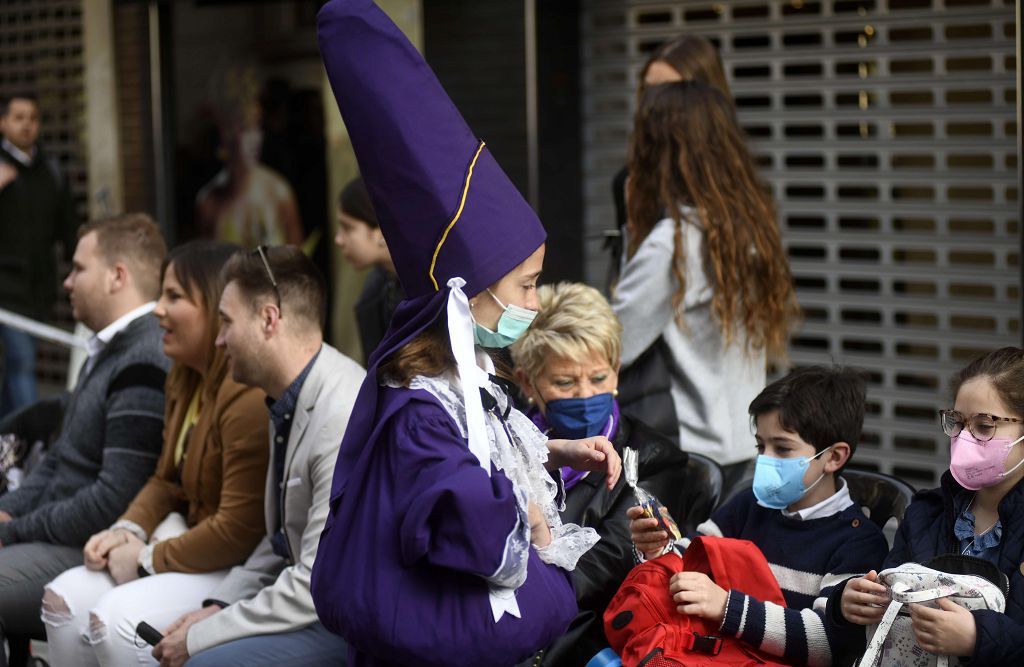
[[577, 418]]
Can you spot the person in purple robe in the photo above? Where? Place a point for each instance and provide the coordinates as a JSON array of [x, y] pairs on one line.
[[444, 544]]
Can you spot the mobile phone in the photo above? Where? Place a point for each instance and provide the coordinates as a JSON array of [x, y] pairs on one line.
[[148, 633]]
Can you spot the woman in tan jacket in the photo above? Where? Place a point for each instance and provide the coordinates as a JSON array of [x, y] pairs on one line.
[[200, 513]]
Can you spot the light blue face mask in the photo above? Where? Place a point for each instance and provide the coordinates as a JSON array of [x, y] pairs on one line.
[[778, 483], [512, 324]]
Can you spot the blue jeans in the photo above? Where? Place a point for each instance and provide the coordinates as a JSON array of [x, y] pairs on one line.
[[311, 646], [19, 387]]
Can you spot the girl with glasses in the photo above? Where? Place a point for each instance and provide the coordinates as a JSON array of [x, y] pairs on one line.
[[977, 511]]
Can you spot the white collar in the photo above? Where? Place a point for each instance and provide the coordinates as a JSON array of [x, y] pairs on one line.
[[834, 504], [99, 340], [20, 155]]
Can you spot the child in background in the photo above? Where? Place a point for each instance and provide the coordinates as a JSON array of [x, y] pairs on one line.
[[363, 246], [799, 514]]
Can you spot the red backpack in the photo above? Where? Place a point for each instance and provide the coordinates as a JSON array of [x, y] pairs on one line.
[[646, 630]]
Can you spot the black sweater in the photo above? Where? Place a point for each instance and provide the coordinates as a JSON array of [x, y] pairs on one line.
[[36, 212]]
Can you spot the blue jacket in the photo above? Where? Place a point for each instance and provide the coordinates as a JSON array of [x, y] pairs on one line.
[[927, 531]]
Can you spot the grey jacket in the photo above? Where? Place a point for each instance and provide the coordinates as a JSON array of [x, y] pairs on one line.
[[108, 446], [266, 595], [713, 382]]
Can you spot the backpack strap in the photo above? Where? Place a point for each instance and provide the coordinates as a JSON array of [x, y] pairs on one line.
[[873, 654], [911, 597], [706, 644], [901, 595]]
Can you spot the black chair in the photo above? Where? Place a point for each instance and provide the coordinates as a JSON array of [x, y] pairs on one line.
[[884, 496], [35, 426], [37, 422], [739, 487], [701, 492]]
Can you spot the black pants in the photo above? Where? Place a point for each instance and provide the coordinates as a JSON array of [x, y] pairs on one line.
[[25, 569]]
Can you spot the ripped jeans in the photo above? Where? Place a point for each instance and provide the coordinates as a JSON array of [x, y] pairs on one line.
[[90, 620]]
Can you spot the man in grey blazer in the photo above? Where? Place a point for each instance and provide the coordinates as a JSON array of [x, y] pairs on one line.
[[272, 313]]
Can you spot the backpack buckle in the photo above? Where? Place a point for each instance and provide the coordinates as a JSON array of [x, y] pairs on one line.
[[707, 644]]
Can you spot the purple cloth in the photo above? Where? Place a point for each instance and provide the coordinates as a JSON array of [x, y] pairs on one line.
[[569, 475], [402, 563], [415, 524], [415, 151]]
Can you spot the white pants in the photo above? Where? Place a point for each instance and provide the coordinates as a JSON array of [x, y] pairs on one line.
[[99, 628]]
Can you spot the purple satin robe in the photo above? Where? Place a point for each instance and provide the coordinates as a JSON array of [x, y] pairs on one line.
[[401, 568]]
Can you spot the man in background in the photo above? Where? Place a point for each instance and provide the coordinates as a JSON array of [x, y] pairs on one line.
[[36, 212]]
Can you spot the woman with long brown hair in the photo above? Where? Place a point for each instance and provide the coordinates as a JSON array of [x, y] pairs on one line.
[[685, 58], [688, 57], [704, 268], [202, 510]]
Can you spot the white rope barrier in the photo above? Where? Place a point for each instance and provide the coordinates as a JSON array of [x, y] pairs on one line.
[[40, 330]]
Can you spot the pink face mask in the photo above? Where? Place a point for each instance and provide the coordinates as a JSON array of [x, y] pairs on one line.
[[977, 465]]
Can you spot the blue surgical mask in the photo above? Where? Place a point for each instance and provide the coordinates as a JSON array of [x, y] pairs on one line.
[[578, 418], [512, 324], [778, 483]]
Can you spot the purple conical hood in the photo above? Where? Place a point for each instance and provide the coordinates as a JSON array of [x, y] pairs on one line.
[[444, 205]]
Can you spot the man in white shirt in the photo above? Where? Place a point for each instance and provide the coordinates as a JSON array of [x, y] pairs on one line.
[[112, 422]]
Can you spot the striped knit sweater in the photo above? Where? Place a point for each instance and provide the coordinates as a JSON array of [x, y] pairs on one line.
[[106, 450], [808, 558]]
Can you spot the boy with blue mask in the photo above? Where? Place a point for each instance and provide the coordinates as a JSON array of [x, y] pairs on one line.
[[798, 513]]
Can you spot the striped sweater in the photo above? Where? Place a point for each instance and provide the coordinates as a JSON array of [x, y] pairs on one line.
[[808, 559], [106, 450]]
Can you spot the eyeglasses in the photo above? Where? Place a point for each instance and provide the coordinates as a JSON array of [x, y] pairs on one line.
[[981, 426], [261, 251]]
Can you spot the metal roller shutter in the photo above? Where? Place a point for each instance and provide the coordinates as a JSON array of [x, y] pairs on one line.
[[886, 129]]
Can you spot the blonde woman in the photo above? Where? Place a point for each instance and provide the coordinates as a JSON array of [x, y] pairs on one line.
[[567, 366]]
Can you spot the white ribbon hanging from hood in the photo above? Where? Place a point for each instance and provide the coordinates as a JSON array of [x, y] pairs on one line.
[[472, 378]]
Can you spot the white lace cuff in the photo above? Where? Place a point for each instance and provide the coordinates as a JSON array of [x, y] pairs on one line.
[[568, 543], [132, 527], [512, 571]]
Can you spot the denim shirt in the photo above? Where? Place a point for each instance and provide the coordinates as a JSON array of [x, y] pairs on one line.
[[981, 546]]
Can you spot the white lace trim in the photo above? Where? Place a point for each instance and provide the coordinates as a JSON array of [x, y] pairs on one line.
[[520, 453]]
